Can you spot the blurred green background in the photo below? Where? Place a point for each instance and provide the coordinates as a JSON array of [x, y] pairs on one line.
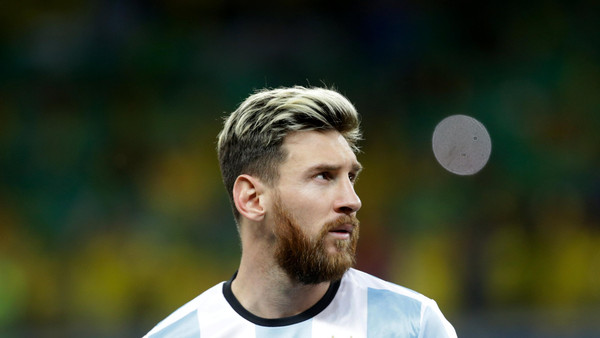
[[112, 211]]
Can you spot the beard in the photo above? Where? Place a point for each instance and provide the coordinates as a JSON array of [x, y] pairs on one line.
[[307, 259]]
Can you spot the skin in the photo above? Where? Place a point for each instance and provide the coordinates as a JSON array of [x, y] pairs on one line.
[[316, 184]]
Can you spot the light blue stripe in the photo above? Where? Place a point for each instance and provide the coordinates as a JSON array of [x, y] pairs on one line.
[[300, 330], [390, 314], [186, 327]]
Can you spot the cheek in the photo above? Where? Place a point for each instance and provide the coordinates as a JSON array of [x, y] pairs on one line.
[[312, 218], [310, 208]]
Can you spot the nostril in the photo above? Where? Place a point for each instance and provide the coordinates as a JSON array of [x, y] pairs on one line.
[[346, 210]]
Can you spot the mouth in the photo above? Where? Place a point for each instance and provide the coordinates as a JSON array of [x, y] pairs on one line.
[[342, 231]]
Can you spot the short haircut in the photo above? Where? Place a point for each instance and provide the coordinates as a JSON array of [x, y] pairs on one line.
[[252, 136]]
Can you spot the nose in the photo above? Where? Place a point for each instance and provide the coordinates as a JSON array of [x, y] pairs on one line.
[[347, 201]]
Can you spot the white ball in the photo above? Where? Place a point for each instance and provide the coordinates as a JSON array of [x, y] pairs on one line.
[[461, 144]]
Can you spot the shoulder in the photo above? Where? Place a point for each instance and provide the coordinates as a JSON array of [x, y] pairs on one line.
[[186, 317], [364, 280], [394, 308], [386, 296]]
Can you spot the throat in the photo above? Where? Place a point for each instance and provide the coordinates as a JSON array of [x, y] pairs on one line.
[[278, 298]]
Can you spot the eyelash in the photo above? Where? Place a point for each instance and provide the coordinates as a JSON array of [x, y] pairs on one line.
[[327, 176]]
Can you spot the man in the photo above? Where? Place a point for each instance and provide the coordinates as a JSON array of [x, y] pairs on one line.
[[288, 162]]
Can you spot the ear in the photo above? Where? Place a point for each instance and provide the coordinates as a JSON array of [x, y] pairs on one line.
[[248, 197]]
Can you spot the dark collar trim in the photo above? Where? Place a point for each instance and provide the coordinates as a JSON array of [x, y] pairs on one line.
[[310, 313]]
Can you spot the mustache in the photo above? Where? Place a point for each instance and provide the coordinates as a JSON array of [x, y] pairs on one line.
[[345, 219]]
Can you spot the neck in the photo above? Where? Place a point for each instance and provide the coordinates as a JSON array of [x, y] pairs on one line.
[[266, 291]]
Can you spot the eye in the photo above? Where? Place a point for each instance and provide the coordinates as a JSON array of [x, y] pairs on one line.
[[353, 177], [324, 176]]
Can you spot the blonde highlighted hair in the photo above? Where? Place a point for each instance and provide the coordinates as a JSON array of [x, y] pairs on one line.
[[251, 138]]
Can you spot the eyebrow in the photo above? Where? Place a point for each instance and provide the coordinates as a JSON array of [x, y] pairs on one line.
[[356, 167]]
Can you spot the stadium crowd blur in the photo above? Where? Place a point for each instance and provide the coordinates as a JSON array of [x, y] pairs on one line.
[[112, 210]]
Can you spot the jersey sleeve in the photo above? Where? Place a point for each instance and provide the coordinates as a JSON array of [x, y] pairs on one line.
[[434, 324]]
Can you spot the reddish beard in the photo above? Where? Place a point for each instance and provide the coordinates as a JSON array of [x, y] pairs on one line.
[[307, 259]]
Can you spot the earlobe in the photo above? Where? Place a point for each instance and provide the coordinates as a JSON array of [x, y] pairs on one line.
[[247, 196]]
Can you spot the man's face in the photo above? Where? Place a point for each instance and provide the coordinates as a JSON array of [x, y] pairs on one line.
[[315, 205]]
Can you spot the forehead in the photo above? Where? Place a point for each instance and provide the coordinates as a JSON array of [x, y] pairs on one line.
[[307, 147]]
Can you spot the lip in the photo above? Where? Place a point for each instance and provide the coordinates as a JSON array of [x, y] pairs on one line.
[[342, 231], [344, 227]]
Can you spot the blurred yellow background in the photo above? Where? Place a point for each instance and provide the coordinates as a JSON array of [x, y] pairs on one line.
[[112, 210]]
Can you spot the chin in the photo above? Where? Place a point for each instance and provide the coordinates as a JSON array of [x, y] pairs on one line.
[[338, 247]]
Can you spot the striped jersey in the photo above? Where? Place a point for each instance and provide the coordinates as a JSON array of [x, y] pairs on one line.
[[359, 305]]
